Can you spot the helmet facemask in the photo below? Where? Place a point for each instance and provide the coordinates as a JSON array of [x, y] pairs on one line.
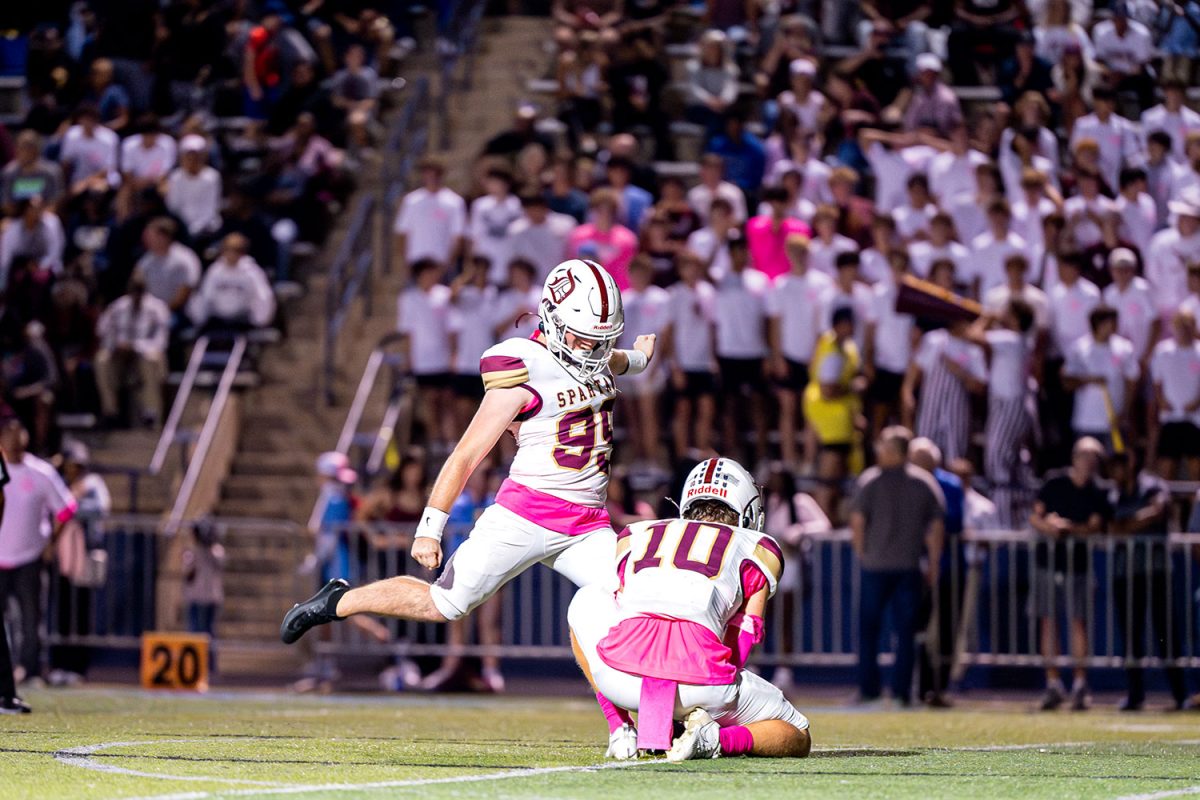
[[583, 364]]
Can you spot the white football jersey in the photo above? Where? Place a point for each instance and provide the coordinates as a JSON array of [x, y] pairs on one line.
[[691, 570], [564, 435]]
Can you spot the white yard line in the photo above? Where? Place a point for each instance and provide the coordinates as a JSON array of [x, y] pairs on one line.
[[1163, 793], [82, 757]]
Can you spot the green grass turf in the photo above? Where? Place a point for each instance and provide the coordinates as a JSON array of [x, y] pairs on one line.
[[219, 745]]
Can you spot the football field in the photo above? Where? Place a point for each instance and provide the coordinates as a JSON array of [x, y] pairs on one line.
[[117, 743]]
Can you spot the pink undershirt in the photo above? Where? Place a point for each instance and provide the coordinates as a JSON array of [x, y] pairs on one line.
[[552, 513], [675, 649]]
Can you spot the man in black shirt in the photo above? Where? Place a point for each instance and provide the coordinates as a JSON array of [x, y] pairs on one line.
[[1141, 579], [1071, 505]]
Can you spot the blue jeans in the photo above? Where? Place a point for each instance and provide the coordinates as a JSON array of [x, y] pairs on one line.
[[899, 590]]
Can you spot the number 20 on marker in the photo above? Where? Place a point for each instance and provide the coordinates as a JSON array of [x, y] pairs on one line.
[[175, 661]]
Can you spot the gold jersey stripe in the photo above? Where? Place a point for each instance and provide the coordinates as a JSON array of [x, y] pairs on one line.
[[623, 546], [769, 560], [505, 379]]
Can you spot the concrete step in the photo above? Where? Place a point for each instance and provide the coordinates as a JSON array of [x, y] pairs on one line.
[[261, 487], [275, 659], [296, 464]]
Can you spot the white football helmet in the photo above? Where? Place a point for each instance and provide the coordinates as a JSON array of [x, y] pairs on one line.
[[725, 480], [581, 297]]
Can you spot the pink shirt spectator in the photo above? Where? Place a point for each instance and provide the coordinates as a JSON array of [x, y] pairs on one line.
[[613, 249], [765, 243]]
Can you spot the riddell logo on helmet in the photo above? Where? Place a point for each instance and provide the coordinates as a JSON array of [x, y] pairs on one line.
[[561, 289], [710, 490]]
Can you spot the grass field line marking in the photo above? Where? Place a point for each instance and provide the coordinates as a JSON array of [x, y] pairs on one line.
[[1164, 793], [82, 757]]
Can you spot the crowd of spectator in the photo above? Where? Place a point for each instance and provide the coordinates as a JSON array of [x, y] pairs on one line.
[[761, 178], [171, 159]]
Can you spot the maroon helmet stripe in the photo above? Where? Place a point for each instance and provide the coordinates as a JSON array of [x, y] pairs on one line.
[[712, 470], [603, 291]]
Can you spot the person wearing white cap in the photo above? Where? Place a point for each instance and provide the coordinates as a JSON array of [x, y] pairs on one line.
[[335, 508], [931, 103], [194, 188], [803, 99], [1175, 373], [1131, 296], [1171, 251]]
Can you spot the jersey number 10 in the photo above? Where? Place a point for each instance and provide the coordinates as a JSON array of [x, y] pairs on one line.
[[682, 557]]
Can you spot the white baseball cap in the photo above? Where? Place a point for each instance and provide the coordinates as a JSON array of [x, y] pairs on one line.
[[193, 143], [803, 66], [1188, 204], [1122, 257], [930, 62]]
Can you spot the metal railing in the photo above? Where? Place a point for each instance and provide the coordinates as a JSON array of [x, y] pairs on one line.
[[376, 439], [349, 278], [198, 462], [170, 431], [1137, 596]]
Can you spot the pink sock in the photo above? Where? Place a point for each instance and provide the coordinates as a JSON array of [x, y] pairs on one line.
[[616, 717], [736, 740]]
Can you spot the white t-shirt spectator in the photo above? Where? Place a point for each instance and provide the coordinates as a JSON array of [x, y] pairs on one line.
[[237, 292], [33, 496], [892, 169], [996, 299], [516, 312], [988, 255], [1119, 139], [1128, 53], [921, 256], [691, 313], [1070, 309], [741, 311], [1116, 362], [488, 226], [873, 266], [814, 184], [893, 331], [1166, 266], [795, 301], [1008, 372], [425, 317], [1135, 311], [952, 176], [860, 300], [1178, 124], [45, 241], [82, 155], [1087, 231], [543, 245], [431, 223], [822, 255], [165, 275], [1139, 220], [1027, 220], [700, 198], [143, 329], [473, 324], [1177, 370], [148, 163], [646, 311], [712, 248], [196, 199], [913, 221]]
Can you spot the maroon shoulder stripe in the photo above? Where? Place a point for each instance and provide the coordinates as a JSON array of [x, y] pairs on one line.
[[500, 364], [603, 291]]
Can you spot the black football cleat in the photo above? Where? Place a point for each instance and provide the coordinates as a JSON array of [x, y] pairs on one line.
[[317, 610], [14, 705]]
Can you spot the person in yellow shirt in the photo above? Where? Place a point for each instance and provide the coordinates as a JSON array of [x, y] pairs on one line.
[[833, 407]]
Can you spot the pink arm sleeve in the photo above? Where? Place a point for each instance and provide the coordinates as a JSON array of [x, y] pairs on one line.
[[749, 633]]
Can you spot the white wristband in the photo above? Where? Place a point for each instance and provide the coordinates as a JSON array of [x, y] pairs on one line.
[[637, 361], [433, 522]]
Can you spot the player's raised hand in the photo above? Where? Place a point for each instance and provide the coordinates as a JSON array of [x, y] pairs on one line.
[[645, 344], [427, 552]]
